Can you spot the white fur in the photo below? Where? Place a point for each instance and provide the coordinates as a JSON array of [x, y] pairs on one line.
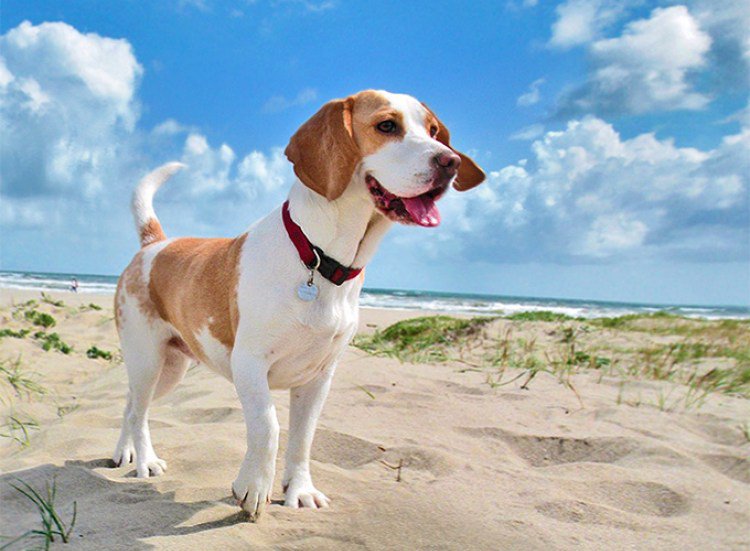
[[405, 167], [281, 341], [142, 204]]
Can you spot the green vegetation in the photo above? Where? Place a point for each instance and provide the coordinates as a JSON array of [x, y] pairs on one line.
[[95, 352], [541, 315], [18, 428], [52, 341], [20, 334], [22, 383], [40, 318], [49, 300], [52, 524], [425, 339], [703, 355]]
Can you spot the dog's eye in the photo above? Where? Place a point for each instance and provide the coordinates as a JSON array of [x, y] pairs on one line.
[[433, 131], [387, 127]]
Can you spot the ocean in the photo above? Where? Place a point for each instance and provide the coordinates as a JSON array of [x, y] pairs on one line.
[[416, 300]]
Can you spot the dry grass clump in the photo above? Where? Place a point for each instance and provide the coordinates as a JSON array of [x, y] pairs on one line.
[[706, 356]]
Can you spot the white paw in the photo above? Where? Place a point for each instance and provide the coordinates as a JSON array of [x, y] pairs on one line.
[[252, 489], [152, 466], [124, 454], [300, 492]]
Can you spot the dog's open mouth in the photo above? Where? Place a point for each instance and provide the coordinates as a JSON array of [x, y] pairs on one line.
[[420, 210]]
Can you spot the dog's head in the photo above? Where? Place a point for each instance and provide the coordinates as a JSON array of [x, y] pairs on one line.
[[397, 146]]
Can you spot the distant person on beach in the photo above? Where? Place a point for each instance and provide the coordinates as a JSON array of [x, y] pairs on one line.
[[74, 285]]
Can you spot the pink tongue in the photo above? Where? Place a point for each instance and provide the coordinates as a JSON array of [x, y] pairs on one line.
[[423, 210]]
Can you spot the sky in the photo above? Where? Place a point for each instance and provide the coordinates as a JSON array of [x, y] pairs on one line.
[[615, 133]]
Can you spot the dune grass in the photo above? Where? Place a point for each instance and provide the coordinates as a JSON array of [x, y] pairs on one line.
[[94, 352], [23, 383], [20, 334], [52, 341], [542, 315], [18, 428], [705, 356], [423, 339], [51, 301], [52, 523]]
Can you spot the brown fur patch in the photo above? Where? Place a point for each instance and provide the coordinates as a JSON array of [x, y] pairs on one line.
[[151, 232], [326, 149], [371, 108], [193, 285], [323, 152], [132, 282]]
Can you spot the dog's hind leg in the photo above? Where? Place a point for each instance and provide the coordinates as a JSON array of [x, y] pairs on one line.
[[175, 366], [145, 350], [171, 371]]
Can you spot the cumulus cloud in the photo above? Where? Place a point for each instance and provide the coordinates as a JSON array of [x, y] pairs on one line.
[[581, 21], [729, 28], [66, 99], [70, 101], [646, 69], [586, 194], [532, 96], [529, 132]]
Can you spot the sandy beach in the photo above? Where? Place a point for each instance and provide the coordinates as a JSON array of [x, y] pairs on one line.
[[506, 434]]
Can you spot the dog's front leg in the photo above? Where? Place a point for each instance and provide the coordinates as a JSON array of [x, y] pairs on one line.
[[254, 483], [306, 402]]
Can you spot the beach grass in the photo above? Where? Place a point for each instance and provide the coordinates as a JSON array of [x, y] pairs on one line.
[[23, 383], [94, 352], [52, 523], [704, 356], [424, 339]]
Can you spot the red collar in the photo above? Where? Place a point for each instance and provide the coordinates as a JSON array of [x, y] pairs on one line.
[[311, 255]]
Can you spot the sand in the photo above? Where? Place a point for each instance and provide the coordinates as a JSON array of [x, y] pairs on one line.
[[481, 467]]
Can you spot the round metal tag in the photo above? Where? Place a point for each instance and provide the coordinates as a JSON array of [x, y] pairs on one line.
[[306, 292]]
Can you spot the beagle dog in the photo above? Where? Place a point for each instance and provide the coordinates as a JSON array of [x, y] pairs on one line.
[[275, 307]]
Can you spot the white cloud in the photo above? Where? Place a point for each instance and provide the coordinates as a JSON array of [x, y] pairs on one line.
[[586, 194], [276, 104], [530, 132], [581, 21], [67, 99], [532, 96], [645, 69], [70, 102], [729, 28]]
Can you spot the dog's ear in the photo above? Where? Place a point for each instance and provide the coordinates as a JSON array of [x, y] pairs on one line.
[[323, 150], [469, 173]]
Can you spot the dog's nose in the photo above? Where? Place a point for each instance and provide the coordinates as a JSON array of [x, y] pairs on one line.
[[448, 162]]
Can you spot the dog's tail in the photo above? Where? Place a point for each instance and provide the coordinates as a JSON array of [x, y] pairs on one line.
[[142, 205]]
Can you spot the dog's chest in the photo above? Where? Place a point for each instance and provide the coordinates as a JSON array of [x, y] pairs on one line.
[[313, 339]]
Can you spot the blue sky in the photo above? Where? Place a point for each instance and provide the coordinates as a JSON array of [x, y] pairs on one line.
[[615, 134]]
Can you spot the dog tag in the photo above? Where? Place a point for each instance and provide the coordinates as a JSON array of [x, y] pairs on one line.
[[307, 291]]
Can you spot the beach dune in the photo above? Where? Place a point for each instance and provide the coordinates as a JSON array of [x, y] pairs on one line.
[[426, 455]]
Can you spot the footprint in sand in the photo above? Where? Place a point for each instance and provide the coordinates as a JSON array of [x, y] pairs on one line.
[[643, 498], [605, 502], [420, 459], [343, 450], [576, 511], [543, 451], [736, 468]]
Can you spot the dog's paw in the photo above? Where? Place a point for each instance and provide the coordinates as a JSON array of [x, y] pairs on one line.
[[253, 490], [124, 455], [152, 466], [300, 492]]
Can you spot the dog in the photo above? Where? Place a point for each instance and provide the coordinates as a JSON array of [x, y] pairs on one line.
[[275, 307]]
